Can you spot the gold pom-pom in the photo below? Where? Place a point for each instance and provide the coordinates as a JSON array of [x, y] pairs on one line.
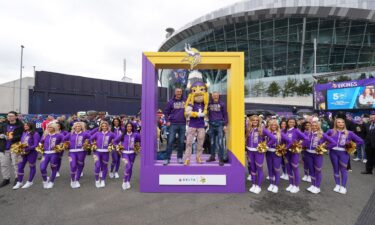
[[296, 147], [59, 148], [137, 147], [262, 147], [66, 145], [86, 145], [18, 148], [119, 148], [93, 146], [40, 148], [281, 150], [111, 146], [351, 147], [321, 149]]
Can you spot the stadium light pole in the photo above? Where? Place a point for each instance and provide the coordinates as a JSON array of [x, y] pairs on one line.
[[19, 108]]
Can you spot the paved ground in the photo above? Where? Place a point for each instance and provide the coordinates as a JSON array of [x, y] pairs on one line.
[[111, 205]]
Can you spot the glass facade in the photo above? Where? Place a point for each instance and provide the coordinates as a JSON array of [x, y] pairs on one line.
[[279, 47]]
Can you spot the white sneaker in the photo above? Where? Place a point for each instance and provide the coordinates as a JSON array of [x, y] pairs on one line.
[[275, 189], [316, 190], [45, 184], [72, 184], [27, 184], [270, 187], [57, 174], [310, 189], [249, 178], [49, 185], [337, 188], [342, 190], [267, 177], [304, 178], [289, 187], [116, 175], [128, 185], [364, 161], [111, 175], [308, 179], [284, 176], [124, 186], [356, 159], [102, 184], [97, 184], [77, 185], [17, 186], [294, 189], [252, 188], [257, 189]]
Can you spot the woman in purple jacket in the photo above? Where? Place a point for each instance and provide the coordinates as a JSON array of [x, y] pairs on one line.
[[255, 134], [77, 154], [115, 165], [273, 160], [50, 156], [103, 139], [314, 159], [31, 138], [61, 154], [338, 155], [128, 140], [294, 135]]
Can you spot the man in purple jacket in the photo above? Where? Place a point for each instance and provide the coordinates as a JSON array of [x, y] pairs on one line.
[[174, 115], [218, 121]]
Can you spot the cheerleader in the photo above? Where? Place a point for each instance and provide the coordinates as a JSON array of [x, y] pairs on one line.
[[77, 154], [284, 174], [61, 130], [103, 139], [255, 134], [306, 129], [314, 159], [338, 155], [292, 159], [115, 165], [273, 160], [128, 141], [31, 138], [49, 141]]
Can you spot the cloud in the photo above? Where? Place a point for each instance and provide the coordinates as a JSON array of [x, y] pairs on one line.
[[87, 37]]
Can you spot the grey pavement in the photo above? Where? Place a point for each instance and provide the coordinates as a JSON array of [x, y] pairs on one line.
[[112, 205]]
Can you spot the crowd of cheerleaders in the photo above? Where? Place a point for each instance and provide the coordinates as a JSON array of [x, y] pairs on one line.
[[281, 145]]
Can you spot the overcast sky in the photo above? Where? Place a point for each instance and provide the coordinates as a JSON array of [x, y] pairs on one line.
[[89, 37]]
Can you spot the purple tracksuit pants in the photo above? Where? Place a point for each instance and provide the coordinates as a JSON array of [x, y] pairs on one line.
[[339, 161], [305, 166], [274, 167], [115, 165], [52, 159], [31, 158], [77, 162], [292, 162], [61, 155], [255, 160], [101, 164], [314, 163], [128, 168]]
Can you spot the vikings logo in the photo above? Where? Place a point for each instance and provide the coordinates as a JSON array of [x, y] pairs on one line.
[[193, 57]]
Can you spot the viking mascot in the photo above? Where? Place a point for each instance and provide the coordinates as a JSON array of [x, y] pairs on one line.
[[195, 113]]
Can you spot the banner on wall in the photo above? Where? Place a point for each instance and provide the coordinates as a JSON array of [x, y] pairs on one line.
[[357, 94]]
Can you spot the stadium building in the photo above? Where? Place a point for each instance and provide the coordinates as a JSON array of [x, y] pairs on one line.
[[277, 37]]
